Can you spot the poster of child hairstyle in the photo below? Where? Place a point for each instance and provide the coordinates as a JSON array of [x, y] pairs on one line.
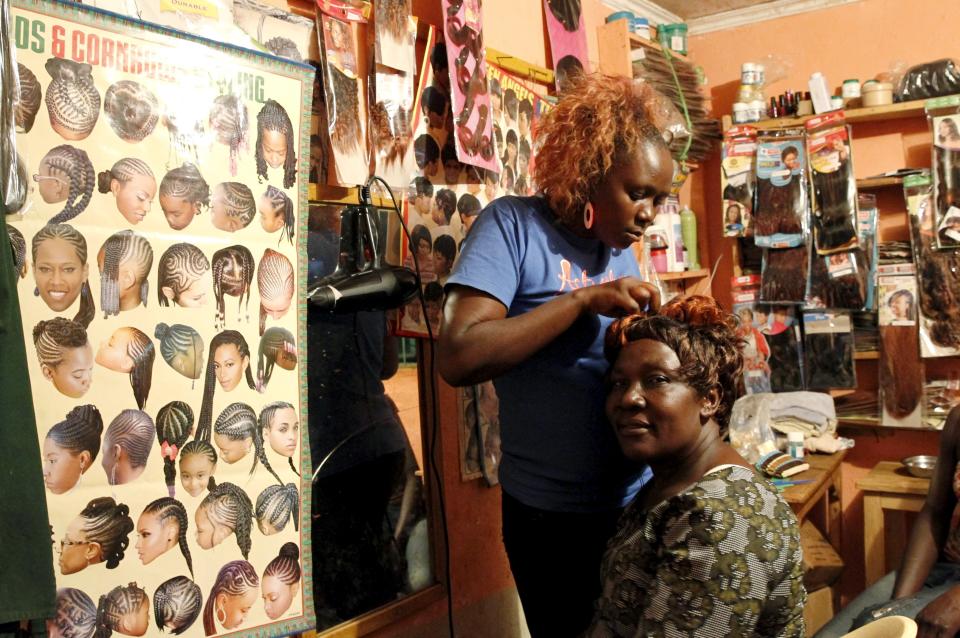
[[163, 263]]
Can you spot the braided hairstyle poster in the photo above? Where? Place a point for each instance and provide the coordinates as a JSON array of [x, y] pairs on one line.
[[162, 249]]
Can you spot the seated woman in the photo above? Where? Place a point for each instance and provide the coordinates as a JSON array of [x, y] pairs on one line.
[[927, 585], [708, 547]]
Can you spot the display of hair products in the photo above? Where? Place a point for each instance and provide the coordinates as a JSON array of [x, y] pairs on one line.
[[901, 370], [939, 274], [738, 180], [945, 122], [784, 275], [780, 214], [834, 196], [828, 351]]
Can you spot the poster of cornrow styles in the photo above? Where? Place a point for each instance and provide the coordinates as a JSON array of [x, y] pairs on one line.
[[163, 248]]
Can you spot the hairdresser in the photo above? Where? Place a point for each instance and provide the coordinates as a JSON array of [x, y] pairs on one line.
[[536, 286], [927, 585]]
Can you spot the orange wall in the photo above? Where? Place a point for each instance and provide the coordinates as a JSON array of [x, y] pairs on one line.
[[851, 41]]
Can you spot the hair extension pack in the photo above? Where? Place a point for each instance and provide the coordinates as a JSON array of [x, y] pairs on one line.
[[944, 119], [901, 369], [738, 180], [867, 234], [828, 350], [834, 195], [753, 326], [838, 281], [784, 274], [780, 215]]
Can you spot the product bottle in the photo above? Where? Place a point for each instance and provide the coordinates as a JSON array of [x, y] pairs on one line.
[[819, 93], [688, 230], [795, 444]]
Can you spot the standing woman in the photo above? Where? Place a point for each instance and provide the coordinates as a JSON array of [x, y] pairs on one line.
[[527, 306]]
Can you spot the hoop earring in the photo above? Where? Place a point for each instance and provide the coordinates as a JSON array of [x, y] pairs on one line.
[[220, 612], [588, 216]]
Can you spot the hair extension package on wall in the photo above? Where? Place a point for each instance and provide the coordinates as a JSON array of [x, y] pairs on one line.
[[938, 274], [834, 197], [867, 213], [738, 180], [784, 274], [901, 369], [780, 215], [164, 248], [828, 351], [772, 333], [838, 281], [944, 117]]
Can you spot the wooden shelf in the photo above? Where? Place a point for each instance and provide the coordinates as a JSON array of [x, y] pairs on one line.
[[616, 42], [870, 183], [688, 274], [863, 356]]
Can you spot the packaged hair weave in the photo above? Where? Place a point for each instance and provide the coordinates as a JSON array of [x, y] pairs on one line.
[[780, 326], [901, 370], [867, 233], [780, 214], [834, 195], [784, 277], [939, 274], [828, 350], [738, 180], [945, 121], [838, 281], [756, 350]]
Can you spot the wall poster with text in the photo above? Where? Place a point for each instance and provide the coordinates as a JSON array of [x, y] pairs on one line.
[[165, 246]]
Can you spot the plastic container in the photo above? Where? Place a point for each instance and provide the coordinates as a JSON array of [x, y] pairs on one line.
[[758, 111], [748, 74], [850, 88], [877, 93], [795, 444], [741, 112], [656, 240], [761, 74], [620, 15], [688, 230], [674, 37], [836, 103], [804, 107], [819, 93], [641, 28]]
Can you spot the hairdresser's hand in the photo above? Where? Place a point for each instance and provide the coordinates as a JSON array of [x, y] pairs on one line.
[[620, 297], [941, 618]]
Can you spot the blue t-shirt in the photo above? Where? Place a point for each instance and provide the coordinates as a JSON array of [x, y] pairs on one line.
[[559, 452]]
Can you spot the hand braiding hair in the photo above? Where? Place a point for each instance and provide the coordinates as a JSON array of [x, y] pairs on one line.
[[73, 102], [286, 566], [237, 422], [108, 523], [234, 579], [120, 248], [170, 508], [76, 615], [28, 103], [51, 336], [132, 109], [227, 337], [116, 604], [266, 420], [238, 200], [177, 602], [133, 431], [18, 246], [275, 283], [232, 275], [276, 505], [273, 117], [180, 339], [74, 166], [186, 182], [228, 119], [279, 200], [180, 266], [277, 345], [79, 431], [67, 233], [229, 506], [174, 421]]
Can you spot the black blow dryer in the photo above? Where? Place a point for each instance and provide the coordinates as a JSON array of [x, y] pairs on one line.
[[361, 281]]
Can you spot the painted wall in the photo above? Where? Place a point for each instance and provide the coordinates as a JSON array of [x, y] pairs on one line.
[[852, 41]]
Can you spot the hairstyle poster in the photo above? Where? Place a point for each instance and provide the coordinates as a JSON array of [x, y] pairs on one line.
[[568, 40], [164, 246]]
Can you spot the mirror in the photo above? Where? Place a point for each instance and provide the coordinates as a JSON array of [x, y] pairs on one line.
[[370, 535]]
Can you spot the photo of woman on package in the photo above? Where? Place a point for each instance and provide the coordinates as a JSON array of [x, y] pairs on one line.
[[756, 352], [898, 308], [946, 184], [781, 209]]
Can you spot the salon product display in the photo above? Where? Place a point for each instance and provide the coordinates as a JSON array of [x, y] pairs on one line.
[[901, 368], [738, 180], [828, 351], [781, 211], [163, 249]]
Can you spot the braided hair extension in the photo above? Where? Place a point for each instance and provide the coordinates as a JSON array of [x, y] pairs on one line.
[[280, 202], [227, 337], [73, 102], [69, 234], [266, 422], [835, 208], [75, 615], [18, 246], [228, 119], [186, 182], [177, 602], [391, 16], [108, 523], [179, 267], [784, 277], [133, 431], [123, 171], [179, 339], [273, 117], [228, 505], [120, 248], [174, 422], [275, 283], [344, 110], [112, 607], [237, 200], [234, 579], [232, 275], [779, 208], [237, 422], [276, 505], [277, 346], [28, 103], [847, 291], [74, 166], [132, 110], [51, 336], [166, 508], [901, 370], [79, 431], [284, 48]]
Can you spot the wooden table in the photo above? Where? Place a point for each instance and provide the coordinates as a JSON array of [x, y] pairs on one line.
[[888, 487], [821, 498]]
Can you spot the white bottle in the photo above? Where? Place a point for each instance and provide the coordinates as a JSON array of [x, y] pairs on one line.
[[795, 444], [819, 93]]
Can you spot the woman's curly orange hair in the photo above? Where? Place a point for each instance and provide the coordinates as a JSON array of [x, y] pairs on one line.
[[598, 120]]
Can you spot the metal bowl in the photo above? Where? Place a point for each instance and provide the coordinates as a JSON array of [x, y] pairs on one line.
[[920, 466]]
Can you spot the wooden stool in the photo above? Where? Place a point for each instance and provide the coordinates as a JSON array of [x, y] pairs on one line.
[[888, 486]]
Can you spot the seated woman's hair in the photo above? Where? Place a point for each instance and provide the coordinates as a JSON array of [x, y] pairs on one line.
[[705, 339]]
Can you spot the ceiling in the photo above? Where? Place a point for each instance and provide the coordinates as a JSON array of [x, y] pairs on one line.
[[690, 9]]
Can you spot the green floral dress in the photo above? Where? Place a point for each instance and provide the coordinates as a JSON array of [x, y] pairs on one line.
[[720, 559]]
